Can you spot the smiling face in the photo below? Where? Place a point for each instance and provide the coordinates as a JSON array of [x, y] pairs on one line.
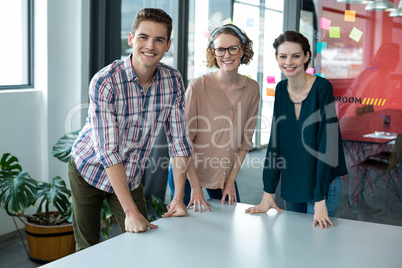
[[228, 62], [149, 42], [291, 59]]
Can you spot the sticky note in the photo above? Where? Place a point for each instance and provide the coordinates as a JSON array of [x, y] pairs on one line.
[[321, 46], [350, 15], [250, 22], [310, 71], [227, 21], [271, 79], [270, 91], [321, 75], [334, 32], [325, 23], [356, 34]]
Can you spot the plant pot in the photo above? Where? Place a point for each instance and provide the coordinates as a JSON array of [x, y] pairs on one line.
[[49, 243]]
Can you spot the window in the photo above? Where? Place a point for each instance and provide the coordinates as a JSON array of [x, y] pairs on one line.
[[204, 17], [16, 49], [263, 22]]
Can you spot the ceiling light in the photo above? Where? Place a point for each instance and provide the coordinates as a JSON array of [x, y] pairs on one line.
[[397, 12], [355, 1], [380, 5]]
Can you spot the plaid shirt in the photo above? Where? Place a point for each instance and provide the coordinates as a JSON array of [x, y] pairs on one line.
[[124, 121]]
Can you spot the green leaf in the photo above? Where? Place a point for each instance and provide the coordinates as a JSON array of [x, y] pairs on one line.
[[9, 165], [107, 219], [56, 194], [158, 205], [62, 149], [17, 193]]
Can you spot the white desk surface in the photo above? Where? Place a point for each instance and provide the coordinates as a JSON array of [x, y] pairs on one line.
[[228, 237]]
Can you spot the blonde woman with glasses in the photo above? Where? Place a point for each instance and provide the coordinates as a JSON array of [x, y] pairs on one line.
[[221, 111]]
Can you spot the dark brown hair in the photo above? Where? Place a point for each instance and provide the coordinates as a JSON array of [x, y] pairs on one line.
[[294, 37], [155, 15]]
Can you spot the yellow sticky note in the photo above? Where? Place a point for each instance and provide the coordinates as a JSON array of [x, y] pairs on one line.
[[227, 21], [335, 32], [356, 34], [350, 15]]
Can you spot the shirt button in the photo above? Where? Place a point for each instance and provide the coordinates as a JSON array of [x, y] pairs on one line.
[[224, 173], [228, 149]]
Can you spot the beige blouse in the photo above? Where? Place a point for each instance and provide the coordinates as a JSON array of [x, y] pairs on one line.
[[218, 129]]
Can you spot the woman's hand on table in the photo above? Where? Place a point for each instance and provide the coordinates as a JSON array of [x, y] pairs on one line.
[[267, 203], [197, 199], [176, 209], [229, 190], [321, 215]]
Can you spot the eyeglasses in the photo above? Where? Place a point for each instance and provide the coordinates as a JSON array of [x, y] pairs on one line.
[[221, 51]]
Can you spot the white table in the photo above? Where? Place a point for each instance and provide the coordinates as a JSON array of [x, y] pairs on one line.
[[228, 237]]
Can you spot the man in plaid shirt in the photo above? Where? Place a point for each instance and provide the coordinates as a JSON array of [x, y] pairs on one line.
[[130, 102]]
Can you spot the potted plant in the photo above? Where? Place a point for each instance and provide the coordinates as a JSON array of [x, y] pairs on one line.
[[62, 151], [49, 233]]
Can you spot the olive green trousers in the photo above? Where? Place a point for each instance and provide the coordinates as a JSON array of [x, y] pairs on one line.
[[87, 202]]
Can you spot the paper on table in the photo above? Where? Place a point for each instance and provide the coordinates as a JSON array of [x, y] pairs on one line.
[[381, 135]]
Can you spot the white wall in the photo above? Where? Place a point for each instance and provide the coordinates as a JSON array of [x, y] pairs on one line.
[[33, 120]]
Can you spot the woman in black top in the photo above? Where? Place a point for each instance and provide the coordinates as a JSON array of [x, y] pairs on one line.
[[305, 138]]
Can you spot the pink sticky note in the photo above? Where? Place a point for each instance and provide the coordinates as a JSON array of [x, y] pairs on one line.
[[271, 79], [325, 23], [310, 71]]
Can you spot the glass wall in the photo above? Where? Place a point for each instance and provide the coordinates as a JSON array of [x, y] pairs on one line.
[[358, 50], [263, 23]]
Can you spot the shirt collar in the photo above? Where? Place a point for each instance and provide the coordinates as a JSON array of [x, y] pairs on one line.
[[130, 70]]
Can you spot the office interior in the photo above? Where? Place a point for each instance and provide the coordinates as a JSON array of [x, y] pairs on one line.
[[44, 94]]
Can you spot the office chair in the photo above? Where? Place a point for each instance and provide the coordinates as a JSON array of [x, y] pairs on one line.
[[383, 164]]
